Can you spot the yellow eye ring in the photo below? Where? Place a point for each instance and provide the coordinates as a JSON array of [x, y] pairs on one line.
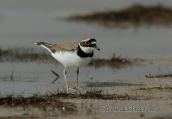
[[87, 43]]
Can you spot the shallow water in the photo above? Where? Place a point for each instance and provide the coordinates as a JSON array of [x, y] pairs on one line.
[[22, 23], [27, 77]]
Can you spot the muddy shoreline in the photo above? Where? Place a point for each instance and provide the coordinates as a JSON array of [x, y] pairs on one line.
[[150, 101]]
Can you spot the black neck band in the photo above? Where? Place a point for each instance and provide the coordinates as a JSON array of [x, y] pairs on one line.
[[83, 54]]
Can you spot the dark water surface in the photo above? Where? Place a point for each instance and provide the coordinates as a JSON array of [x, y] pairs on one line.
[[22, 23]]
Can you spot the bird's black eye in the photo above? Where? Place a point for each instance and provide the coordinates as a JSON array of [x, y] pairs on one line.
[[87, 43]]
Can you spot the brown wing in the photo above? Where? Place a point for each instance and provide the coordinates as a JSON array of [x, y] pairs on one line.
[[66, 46]]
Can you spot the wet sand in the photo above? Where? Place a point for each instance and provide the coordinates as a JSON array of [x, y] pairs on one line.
[[151, 98]]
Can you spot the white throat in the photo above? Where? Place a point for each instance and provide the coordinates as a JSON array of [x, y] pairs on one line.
[[86, 49]]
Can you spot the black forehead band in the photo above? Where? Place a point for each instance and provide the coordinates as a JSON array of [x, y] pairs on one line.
[[92, 39]]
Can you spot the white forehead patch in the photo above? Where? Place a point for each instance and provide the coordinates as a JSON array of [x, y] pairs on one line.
[[94, 42]]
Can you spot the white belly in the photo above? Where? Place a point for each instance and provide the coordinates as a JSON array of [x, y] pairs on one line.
[[71, 59]]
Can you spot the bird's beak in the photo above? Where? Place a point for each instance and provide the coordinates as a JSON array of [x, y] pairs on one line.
[[96, 48]]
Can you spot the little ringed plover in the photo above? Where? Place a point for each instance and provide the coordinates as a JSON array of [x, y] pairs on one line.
[[72, 54]]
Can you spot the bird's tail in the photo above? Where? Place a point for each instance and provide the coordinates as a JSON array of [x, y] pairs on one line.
[[48, 46], [45, 44]]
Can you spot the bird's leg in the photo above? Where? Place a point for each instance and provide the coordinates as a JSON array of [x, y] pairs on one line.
[[66, 80], [77, 78], [64, 72]]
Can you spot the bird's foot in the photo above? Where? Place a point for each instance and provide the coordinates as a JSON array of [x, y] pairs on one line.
[[69, 89], [76, 87]]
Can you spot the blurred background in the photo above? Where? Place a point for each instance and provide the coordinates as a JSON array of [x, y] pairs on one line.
[[24, 22]]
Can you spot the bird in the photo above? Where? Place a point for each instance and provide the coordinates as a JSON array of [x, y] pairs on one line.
[[74, 54]]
